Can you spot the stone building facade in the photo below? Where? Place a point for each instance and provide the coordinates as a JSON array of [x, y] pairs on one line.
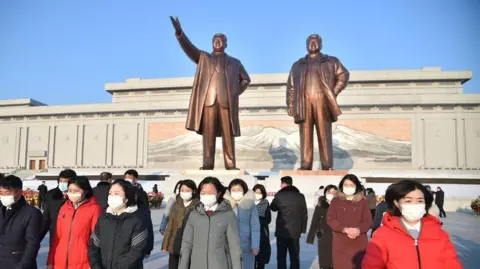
[[403, 119]]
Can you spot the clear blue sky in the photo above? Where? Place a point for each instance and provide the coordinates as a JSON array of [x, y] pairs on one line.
[[63, 52]]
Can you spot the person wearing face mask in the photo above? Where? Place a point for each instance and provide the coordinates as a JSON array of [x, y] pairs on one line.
[[210, 237], [320, 228], [185, 201], [132, 177], [170, 202], [120, 236], [20, 226], [54, 201], [76, 221], [350, 219], [242, 201], [410, 237], [265, 216]]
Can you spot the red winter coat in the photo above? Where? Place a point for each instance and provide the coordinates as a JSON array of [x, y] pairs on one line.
[[392, 247], [70, 243]]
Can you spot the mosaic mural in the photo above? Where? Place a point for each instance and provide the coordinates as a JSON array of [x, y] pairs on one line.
[[365, 143]]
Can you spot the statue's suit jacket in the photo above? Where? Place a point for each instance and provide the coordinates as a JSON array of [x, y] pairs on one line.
[[237, 81], [334, 77]]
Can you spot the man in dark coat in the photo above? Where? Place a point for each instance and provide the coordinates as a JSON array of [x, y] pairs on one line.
[[100, 192], [439, 201], [291, 222], [54, 201], [42, 192], [20, 225]]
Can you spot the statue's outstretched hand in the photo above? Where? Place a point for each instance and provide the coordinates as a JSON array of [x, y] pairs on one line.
[[176, 25]]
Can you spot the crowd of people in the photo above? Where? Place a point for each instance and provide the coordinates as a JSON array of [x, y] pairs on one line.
[[219, 227]]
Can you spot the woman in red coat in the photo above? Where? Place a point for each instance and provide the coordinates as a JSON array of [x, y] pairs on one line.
[[76, 221], [410, 238], [350, 219]]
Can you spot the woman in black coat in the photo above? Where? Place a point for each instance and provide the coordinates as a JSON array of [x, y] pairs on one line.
[[120, 236], [321, 229], [265, 216]]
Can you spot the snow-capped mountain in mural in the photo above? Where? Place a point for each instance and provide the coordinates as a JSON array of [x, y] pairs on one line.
[[278, 148]]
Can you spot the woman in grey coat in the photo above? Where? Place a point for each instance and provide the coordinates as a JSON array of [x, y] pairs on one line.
[[242, 201], [210, 238]]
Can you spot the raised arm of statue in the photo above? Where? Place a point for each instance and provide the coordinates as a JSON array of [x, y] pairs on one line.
[[244, 79], [342, 75], [192, 52]]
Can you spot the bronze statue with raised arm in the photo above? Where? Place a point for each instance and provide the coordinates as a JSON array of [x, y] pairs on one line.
[[213, 112], [313, 85]]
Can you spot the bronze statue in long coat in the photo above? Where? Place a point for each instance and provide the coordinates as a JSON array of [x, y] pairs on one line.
[[213, 111], [313, 85]]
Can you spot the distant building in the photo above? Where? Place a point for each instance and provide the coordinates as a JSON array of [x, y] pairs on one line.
[[409, 119]]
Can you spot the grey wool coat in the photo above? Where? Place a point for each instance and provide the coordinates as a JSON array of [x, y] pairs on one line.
[[211, 242]]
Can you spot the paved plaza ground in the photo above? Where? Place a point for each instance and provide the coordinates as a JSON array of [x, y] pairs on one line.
[[463, 228]]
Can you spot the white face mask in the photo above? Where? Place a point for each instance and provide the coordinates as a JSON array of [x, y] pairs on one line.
[[258, 197], [348, 190], [7, 200], [186, 196], [115, 202], [74, 197], [129, 180], [208, 200], [63, 186], [237, 195], [412, 212], [329, 197]]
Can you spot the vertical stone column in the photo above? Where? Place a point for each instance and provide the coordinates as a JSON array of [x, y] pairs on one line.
[[461, 141], [18, 132], [145, 143], [139, 153], [23, 147], [80, 143], [51, 145], [420, 147], [110, 141]]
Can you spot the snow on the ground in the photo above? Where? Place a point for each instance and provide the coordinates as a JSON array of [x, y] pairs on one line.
[[463, 229]]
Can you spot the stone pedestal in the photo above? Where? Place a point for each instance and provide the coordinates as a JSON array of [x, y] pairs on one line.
[[293, 173], [213, 173]]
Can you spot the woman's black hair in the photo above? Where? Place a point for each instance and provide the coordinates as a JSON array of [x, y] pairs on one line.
[[177, 186], [129, 189], [191, 185], [262, 190], [328, 188], [399, 190], [240, 182], [354, 179], [218, 185], [84, 184]]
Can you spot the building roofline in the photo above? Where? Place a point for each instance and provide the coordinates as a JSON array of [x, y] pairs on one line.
[[168, 105], [20, 102], [379, 76]]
